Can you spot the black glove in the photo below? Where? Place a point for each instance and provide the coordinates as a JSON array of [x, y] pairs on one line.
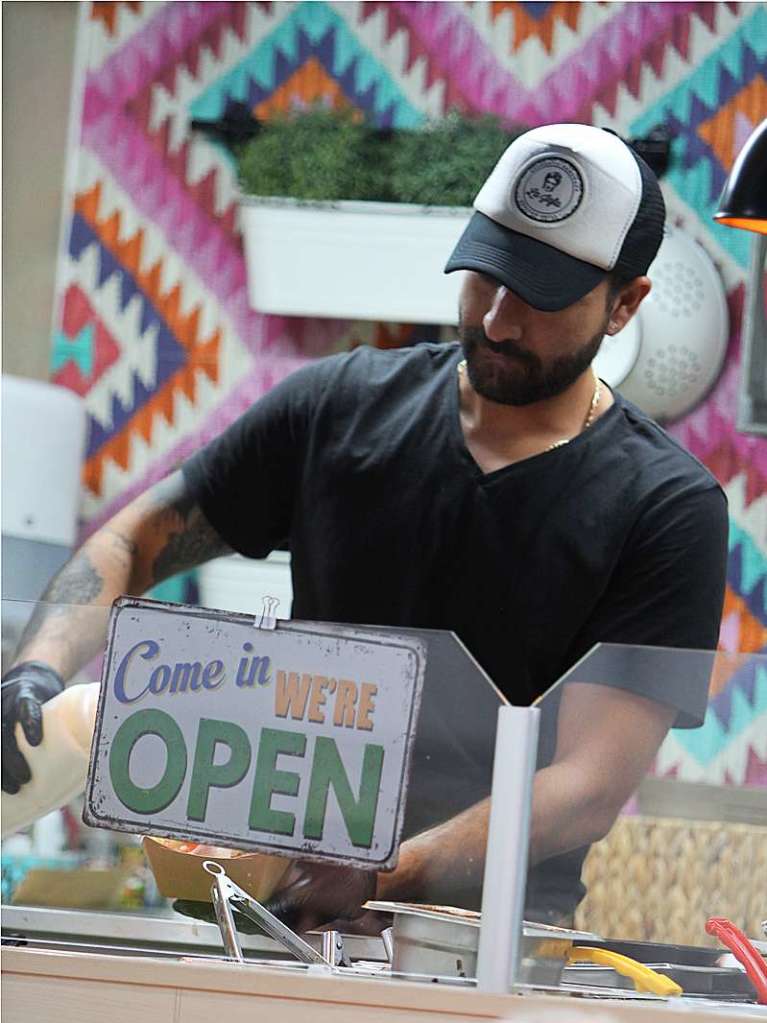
[[23, 692], [204, 911], [317, 894]]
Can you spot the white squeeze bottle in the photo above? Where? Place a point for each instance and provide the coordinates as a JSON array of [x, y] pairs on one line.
[[59, 765]]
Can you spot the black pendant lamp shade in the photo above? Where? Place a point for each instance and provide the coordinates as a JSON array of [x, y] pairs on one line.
[[743, 202]]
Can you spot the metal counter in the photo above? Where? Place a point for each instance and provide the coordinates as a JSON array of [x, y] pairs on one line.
[[147, 934]]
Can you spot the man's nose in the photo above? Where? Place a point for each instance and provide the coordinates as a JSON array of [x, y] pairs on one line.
[[504, 320]]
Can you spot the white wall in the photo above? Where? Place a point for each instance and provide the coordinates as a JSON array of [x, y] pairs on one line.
[[38, 46]]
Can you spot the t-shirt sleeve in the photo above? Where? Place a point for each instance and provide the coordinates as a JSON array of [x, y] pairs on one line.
[[245, 479], [667, 591]]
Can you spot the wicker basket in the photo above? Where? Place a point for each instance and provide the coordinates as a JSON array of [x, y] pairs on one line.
[[655, 879]]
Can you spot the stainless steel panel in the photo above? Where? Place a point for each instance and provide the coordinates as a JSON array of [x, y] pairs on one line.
[[171, 932]]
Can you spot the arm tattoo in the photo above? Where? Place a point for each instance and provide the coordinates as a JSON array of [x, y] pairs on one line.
[[122, 543], [195, 543], [163, 533], [188, 539], [79, 582]]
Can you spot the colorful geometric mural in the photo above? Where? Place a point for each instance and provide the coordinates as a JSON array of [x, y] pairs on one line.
[[155, 330]]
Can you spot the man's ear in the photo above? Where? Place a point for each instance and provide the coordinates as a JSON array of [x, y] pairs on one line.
[[626, 303]]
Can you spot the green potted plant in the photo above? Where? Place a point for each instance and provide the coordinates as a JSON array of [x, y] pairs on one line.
[[343, 221]]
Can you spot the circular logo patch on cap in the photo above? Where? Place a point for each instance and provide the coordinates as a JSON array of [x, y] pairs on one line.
[[550, 189]]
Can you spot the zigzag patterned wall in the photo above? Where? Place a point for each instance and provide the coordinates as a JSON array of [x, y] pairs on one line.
[[154, 328]]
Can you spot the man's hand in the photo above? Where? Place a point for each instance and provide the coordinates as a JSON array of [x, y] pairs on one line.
[[317, 894], [23, 692]]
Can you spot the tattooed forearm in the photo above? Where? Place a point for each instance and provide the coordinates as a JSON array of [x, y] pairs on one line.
[[55, 620], [79, 583], [159, 534]]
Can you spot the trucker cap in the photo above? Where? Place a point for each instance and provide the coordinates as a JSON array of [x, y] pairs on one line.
[[565, 205]]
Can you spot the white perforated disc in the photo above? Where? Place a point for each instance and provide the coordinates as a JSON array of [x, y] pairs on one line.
[[684, 329]]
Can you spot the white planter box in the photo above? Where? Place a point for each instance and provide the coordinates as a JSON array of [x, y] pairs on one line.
[[352, 260]]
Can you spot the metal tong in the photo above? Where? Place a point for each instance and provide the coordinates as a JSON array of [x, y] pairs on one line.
[[226, 894]]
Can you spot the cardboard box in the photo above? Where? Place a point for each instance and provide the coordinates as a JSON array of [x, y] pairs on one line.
[[80, 888], [179, 872]]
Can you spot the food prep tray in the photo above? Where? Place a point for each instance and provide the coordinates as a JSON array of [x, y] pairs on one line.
[[443, 941], [718, 982]]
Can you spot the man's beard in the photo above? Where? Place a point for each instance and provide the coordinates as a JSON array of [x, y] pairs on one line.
[[519, 377]]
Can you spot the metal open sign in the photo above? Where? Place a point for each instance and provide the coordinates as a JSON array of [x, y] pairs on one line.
[[293, 739]]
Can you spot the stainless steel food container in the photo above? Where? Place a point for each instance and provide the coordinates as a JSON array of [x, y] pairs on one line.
[[441, 942]]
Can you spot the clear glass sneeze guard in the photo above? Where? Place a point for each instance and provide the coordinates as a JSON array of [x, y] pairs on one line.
[[689, 840], [450, 771], [677, 838]]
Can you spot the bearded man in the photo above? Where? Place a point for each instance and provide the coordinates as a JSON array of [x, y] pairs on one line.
[[493, 486]]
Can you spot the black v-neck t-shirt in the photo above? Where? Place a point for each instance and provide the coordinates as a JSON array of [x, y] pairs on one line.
[[358, 462]]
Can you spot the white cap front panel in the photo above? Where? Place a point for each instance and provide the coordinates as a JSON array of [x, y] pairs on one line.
[[571, 186]]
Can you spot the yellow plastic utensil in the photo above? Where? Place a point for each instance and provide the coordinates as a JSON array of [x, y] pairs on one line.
[[643, 977]]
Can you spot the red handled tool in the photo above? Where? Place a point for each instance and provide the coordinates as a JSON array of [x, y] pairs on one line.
[[755, 966]]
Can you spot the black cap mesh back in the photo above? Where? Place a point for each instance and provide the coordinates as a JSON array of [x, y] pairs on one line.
[[646, 233]]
